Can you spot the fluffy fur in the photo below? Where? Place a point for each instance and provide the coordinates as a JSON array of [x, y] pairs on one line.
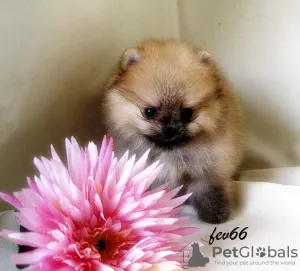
[[194, 126]]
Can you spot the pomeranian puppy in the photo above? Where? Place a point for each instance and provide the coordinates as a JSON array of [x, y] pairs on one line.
[[171, 97]]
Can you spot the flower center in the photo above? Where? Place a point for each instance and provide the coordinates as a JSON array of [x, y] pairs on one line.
[[100, 245]]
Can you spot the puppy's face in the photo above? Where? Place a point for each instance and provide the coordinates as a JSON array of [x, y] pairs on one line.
[[168, 93]]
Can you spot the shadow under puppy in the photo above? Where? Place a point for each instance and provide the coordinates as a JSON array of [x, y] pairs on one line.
[[172, 98]]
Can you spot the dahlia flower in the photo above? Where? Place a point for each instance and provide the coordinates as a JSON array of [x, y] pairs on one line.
[[97, 213]]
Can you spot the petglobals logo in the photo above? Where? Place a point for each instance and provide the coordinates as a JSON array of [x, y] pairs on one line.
[[255, 256], [246, 255], [254, 252], [196, 254]]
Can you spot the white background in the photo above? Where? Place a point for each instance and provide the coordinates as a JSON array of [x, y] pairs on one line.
[[56, 54]]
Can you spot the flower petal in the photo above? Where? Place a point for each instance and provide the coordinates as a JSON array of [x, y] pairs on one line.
[[30, 238], [31, 257], [11, 200]]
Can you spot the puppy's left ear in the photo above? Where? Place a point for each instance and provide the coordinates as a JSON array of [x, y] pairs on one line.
[[130, 57], [205, 58]]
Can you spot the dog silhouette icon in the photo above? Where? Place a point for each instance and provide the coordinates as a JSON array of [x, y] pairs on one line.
[[197, 259]]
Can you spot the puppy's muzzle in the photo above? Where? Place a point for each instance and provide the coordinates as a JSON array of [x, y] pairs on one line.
[[169, 133]]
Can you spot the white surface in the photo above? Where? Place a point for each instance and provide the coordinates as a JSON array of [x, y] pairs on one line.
[[268, 209], [7, 221], [55, 55]]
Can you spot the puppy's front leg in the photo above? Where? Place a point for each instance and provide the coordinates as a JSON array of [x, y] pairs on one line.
[[213, 201]]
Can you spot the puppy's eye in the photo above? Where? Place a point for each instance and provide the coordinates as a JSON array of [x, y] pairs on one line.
[[150, 112], [187, 114]]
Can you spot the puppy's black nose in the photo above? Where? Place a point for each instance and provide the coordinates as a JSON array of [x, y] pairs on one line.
[[169, 132]]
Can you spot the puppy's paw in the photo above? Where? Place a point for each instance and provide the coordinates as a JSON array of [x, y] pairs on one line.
[[214, 215], [213, 206]]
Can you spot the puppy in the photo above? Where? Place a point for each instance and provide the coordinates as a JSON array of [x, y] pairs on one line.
[[172, 98]]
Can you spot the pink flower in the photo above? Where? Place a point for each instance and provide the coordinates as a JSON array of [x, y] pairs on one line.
[[97, 213]]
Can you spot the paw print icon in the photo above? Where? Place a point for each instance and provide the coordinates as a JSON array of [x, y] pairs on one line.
[[261, 252]]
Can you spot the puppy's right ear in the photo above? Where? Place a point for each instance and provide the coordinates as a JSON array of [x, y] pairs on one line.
[[130, 57]]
